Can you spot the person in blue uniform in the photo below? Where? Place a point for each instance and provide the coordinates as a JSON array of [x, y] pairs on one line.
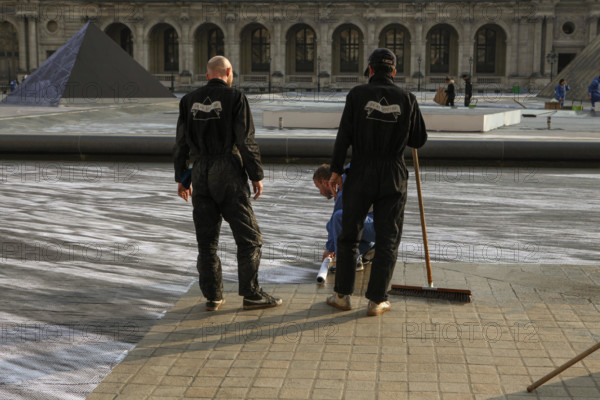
[[334, 225], [594, 91], [560, 92]]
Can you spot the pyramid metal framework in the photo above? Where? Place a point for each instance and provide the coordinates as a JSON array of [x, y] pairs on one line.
[[89, 67], [580, 72]]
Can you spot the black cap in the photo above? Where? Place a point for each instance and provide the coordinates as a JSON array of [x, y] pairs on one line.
[[381, 56]]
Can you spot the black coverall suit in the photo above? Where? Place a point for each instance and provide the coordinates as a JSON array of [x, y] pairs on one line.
[[215, 127], [378, 121], [468, 91]]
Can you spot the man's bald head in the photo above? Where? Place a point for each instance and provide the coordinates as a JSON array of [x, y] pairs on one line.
[[219, 67]]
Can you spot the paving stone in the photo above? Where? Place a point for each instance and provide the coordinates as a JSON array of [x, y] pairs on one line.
[[421, 362]]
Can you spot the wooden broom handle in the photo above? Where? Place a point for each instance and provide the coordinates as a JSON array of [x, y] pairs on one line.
[[560, 369], [422, 213]]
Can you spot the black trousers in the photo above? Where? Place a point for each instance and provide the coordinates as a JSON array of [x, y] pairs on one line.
[[467, 100], [220, 191], [387, 194]]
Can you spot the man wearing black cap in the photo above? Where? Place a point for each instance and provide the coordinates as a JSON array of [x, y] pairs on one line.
[[378, 122]]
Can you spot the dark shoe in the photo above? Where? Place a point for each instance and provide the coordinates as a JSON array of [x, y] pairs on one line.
[[213, 305], [261, 300], [367, 258]]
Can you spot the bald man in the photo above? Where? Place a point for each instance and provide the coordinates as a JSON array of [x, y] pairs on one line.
[[215, 128]]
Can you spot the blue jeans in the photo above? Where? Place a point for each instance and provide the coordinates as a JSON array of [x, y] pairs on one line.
[[367, 240]]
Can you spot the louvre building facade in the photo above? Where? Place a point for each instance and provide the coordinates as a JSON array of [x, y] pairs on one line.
[[298, 44]]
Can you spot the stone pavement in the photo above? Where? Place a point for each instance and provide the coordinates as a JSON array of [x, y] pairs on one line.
[[515, 331]]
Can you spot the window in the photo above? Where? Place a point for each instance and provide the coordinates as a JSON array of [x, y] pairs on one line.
[[349, 50], [9, 44], [394, 40], [260, 50], [126, 41], [216, 45], [171, 50], [486, 51], [305, 50], [440, 51], [568, 28]]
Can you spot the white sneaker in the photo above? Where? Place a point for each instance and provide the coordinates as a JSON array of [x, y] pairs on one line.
[[377, 309], [341, 303], [359, 264], [213, 305]]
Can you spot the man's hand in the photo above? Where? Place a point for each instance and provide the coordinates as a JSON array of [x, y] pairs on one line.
[[183, 192], [335, 183], [258, 189], [328, 253]]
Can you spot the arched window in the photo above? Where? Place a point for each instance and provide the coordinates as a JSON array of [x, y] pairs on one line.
[[439, 50], [305, 50], [121, 34], [260, 51], [171, 50], [485, 55], [9, 51], [349, 50], [216, 43], [393, 39], [209, 41]]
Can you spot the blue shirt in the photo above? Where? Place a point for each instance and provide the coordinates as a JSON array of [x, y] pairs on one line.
[[337, 205], [594, 89], [560, 92]]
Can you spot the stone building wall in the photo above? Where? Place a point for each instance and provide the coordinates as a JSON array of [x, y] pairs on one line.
[[297, 44]]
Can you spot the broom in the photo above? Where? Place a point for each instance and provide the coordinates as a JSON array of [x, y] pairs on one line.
[[428, 291]]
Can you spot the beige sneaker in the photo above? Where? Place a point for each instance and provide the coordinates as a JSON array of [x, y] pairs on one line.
[[341, 303], [377, 309], [213, 305]]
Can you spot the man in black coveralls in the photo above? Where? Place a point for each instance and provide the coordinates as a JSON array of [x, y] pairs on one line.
[[215, 127], [379, 121]]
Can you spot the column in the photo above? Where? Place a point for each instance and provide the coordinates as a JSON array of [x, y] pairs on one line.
[[325, 48], [277, 54], [33, 44], [22, 46], [549, 43], [513, 56], [592, 27], [537, 46], [185, 48], [232, 45], [465, 48], [371, 43], [417, 48], [139, 45]]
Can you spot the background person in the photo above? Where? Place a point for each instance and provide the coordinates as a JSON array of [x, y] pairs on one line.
[[450, 92], [215, 127], [379, 120], [594, 91], [334, 225], [468, 89], [560, 92]]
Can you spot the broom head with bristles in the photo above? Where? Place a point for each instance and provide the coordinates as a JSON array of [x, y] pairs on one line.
[[463, 296]]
